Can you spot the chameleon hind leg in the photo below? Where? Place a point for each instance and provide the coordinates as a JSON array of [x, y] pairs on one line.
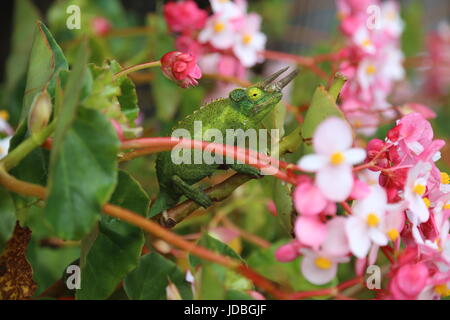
[[246, 169], [192, 193]]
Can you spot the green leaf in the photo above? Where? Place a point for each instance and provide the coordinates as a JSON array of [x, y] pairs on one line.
[[281, 195], [116, 98], [322, 106], [237, 295], [7, 217], [25, 16], [46, 61], [413, 36], [118, 245], [216, 279], [83, 174], [214, 245], [211, 284], [151, 277], [128, 98]]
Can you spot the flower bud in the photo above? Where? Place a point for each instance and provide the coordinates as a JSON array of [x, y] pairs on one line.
[[40, 112], [287, 252], [101, 26], [181, 68]]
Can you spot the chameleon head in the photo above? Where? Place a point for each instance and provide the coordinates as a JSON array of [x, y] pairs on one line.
[[258, 100]]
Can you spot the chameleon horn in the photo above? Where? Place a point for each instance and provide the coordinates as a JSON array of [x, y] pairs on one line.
[[280, 84], [272, 77]]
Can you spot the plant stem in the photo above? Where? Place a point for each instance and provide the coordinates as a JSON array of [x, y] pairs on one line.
[[29, 189], [137, 67], [35, 140]]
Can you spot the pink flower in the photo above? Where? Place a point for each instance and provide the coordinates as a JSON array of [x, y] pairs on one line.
[[310, 231], [333, 159], [181, 68], [101, 26], [409, 281], [308, 199], [184, 16]]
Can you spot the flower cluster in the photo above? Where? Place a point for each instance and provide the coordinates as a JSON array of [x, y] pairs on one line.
[[398, 200], [228, 41], [373, 61], [438, 74]]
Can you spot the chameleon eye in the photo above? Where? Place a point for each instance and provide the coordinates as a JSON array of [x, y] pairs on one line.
[[254, 93], [237, 95]]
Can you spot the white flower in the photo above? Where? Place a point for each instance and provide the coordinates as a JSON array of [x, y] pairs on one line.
[[415, 188], [250, 41], [227, 8], [333, 159], [219, 32], [391, 21], [366, 225], [4, 146], [363, 39]]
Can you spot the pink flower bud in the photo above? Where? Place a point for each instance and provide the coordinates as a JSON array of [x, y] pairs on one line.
[[181, 68], [287, 252], [374, 147], [394, 133], [184, 16], [101, 26], [409, 281]]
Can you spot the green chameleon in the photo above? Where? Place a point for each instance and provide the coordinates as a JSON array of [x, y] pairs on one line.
[[243, 109]]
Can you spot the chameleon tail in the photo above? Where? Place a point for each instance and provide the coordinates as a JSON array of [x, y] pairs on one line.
[[163, 202]]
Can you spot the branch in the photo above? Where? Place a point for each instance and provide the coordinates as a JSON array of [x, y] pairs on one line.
[[29, 189]]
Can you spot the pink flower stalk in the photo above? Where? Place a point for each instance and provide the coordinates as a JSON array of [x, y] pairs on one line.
[[184, 16], [181, 68], [333, 159], [101, 26], [375, 61]]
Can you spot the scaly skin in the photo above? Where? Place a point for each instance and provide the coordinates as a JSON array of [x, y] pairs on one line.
[[244, 109]]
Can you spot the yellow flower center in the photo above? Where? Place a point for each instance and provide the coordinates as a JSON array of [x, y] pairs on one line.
[[1, 150], [419, 189], [357, 124], [367, 43], [442, 290], [223, 1], [427, 202], [246, 39], [219, 26], [447, 206], [371, 69], [4, 115], [337, 158], [445, 178], [393, 234], [372, 220], [323, 263]]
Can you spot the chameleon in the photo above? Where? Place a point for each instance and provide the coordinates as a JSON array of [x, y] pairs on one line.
[[243, 109]]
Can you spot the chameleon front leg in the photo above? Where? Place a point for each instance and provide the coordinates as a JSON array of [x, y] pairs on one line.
[[191, 192], [246, 169]]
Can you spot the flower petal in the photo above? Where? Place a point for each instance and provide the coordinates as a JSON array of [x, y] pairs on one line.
[[358, 237], [314, 274], [335, 182], [333, 134], [310, 231], [312, 162], [354, 155], [336, 243]]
